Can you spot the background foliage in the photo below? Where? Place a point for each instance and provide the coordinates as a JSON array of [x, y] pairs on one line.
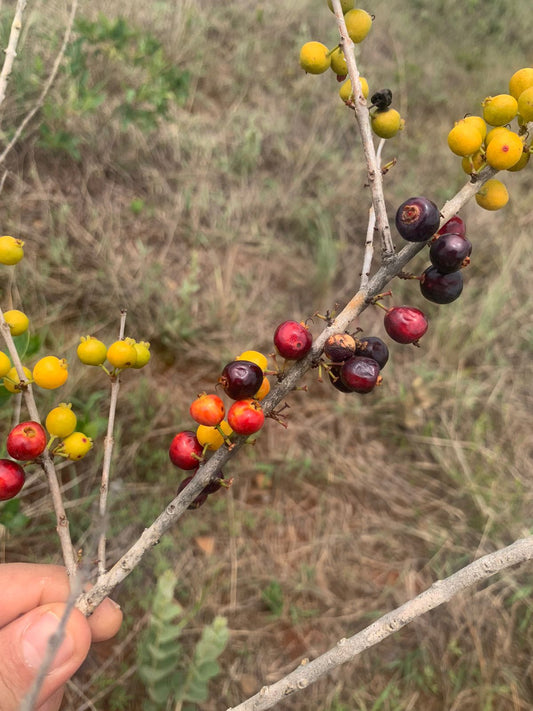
[[185, 168]]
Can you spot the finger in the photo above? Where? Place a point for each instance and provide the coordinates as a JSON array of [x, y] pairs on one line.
[[23, 644], [25, 586], [105, 621]]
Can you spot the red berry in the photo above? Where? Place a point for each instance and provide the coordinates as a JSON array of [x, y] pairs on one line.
[[441, 288], [417, 219], [207, 410], [405, 324], [12, 479], [199, 500], [293, 340], [360, 374], [334, 373], [26, 441], [241, 379], [454, 225], [246, 416], [185, 451]]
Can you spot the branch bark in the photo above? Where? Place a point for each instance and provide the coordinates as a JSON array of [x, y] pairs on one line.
[[11, 50]]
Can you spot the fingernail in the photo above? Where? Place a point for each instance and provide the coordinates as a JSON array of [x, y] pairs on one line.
[[35, 642]]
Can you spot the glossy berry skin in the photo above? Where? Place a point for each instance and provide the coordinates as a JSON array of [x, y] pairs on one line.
[[417, 219], [441, 288], [185, 451], [215, 484], [405, 324], [360, 374], [50, 372], [293, 340], [245, 417], [199, 500], [61, 421], [334, 373], [12, 478], [450, 252], [26, 441], [241, 379], [455, 225], [373, 347], [75, 446], [339, 347], [207, 410]]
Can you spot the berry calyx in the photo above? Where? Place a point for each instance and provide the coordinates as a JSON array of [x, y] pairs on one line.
[[11, 251], [405, 324], [373, 347], [61, 421], [245, 417], [91, 351], [292, 340], [241, 379], [360, 374], [26, 441], [450, 252], [11, 379], [207, 410], [75, 446], [441, 288], [185, 450], [50, 372], [122, 354], [12, 478], [417, 219], [17, 321], [315, 58]]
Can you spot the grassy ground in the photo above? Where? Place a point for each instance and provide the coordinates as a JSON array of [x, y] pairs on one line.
[[213, 218]]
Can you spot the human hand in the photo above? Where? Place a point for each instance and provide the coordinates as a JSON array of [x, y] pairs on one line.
[[32, 602]]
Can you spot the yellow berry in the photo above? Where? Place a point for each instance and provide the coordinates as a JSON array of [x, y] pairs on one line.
[[386, 124], [17, 321], [338, 62], [346, 93], [315, 58], [61, 421], [525, 105], [492, 195], [493, 133], [50, 372], [91, 351], [143, 354], [358, 24], [474, 163], [345, 4], [5, 364], [478, 122], [504, 150], [122, 354], [465, 138], [75, 446], [521, 162], [11, 251], [11, 379], [499, 110], [521, 80], [263, 390], [211, 437], [254, 357]]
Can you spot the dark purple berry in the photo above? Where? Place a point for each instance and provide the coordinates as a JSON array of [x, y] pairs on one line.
[[334, 373], [214, 485], [241, 379], [450, 252], [339, 347], [199, 500], [405, 324], [360, 374], [293, 340], [417, 219], [373, 347], [441, 288], [454, 225]]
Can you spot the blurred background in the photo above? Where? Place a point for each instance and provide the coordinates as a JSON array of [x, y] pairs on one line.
[[185, 168]]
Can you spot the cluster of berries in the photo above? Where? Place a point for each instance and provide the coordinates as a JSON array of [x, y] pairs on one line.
[[316, 58], [501, 147], [245, 381], [121, 354]]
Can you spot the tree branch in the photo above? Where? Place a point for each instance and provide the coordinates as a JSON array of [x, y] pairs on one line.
[[11, 50]]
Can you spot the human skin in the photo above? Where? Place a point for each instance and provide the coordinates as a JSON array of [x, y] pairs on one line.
[[32, 602]]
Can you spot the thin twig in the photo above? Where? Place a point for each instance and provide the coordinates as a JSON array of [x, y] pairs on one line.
[[45, 460], [48, 84], [369, 241], [347, 649], [11, 50], [108, 453]]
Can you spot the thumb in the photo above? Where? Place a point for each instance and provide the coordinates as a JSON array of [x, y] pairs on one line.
[[23, 645]]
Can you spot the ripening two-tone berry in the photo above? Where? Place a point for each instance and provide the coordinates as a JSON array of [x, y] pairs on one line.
[[26, 441], [207, 409], [245, 417]]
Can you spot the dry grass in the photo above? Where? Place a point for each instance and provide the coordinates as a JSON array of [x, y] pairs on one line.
[[253, 210]]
